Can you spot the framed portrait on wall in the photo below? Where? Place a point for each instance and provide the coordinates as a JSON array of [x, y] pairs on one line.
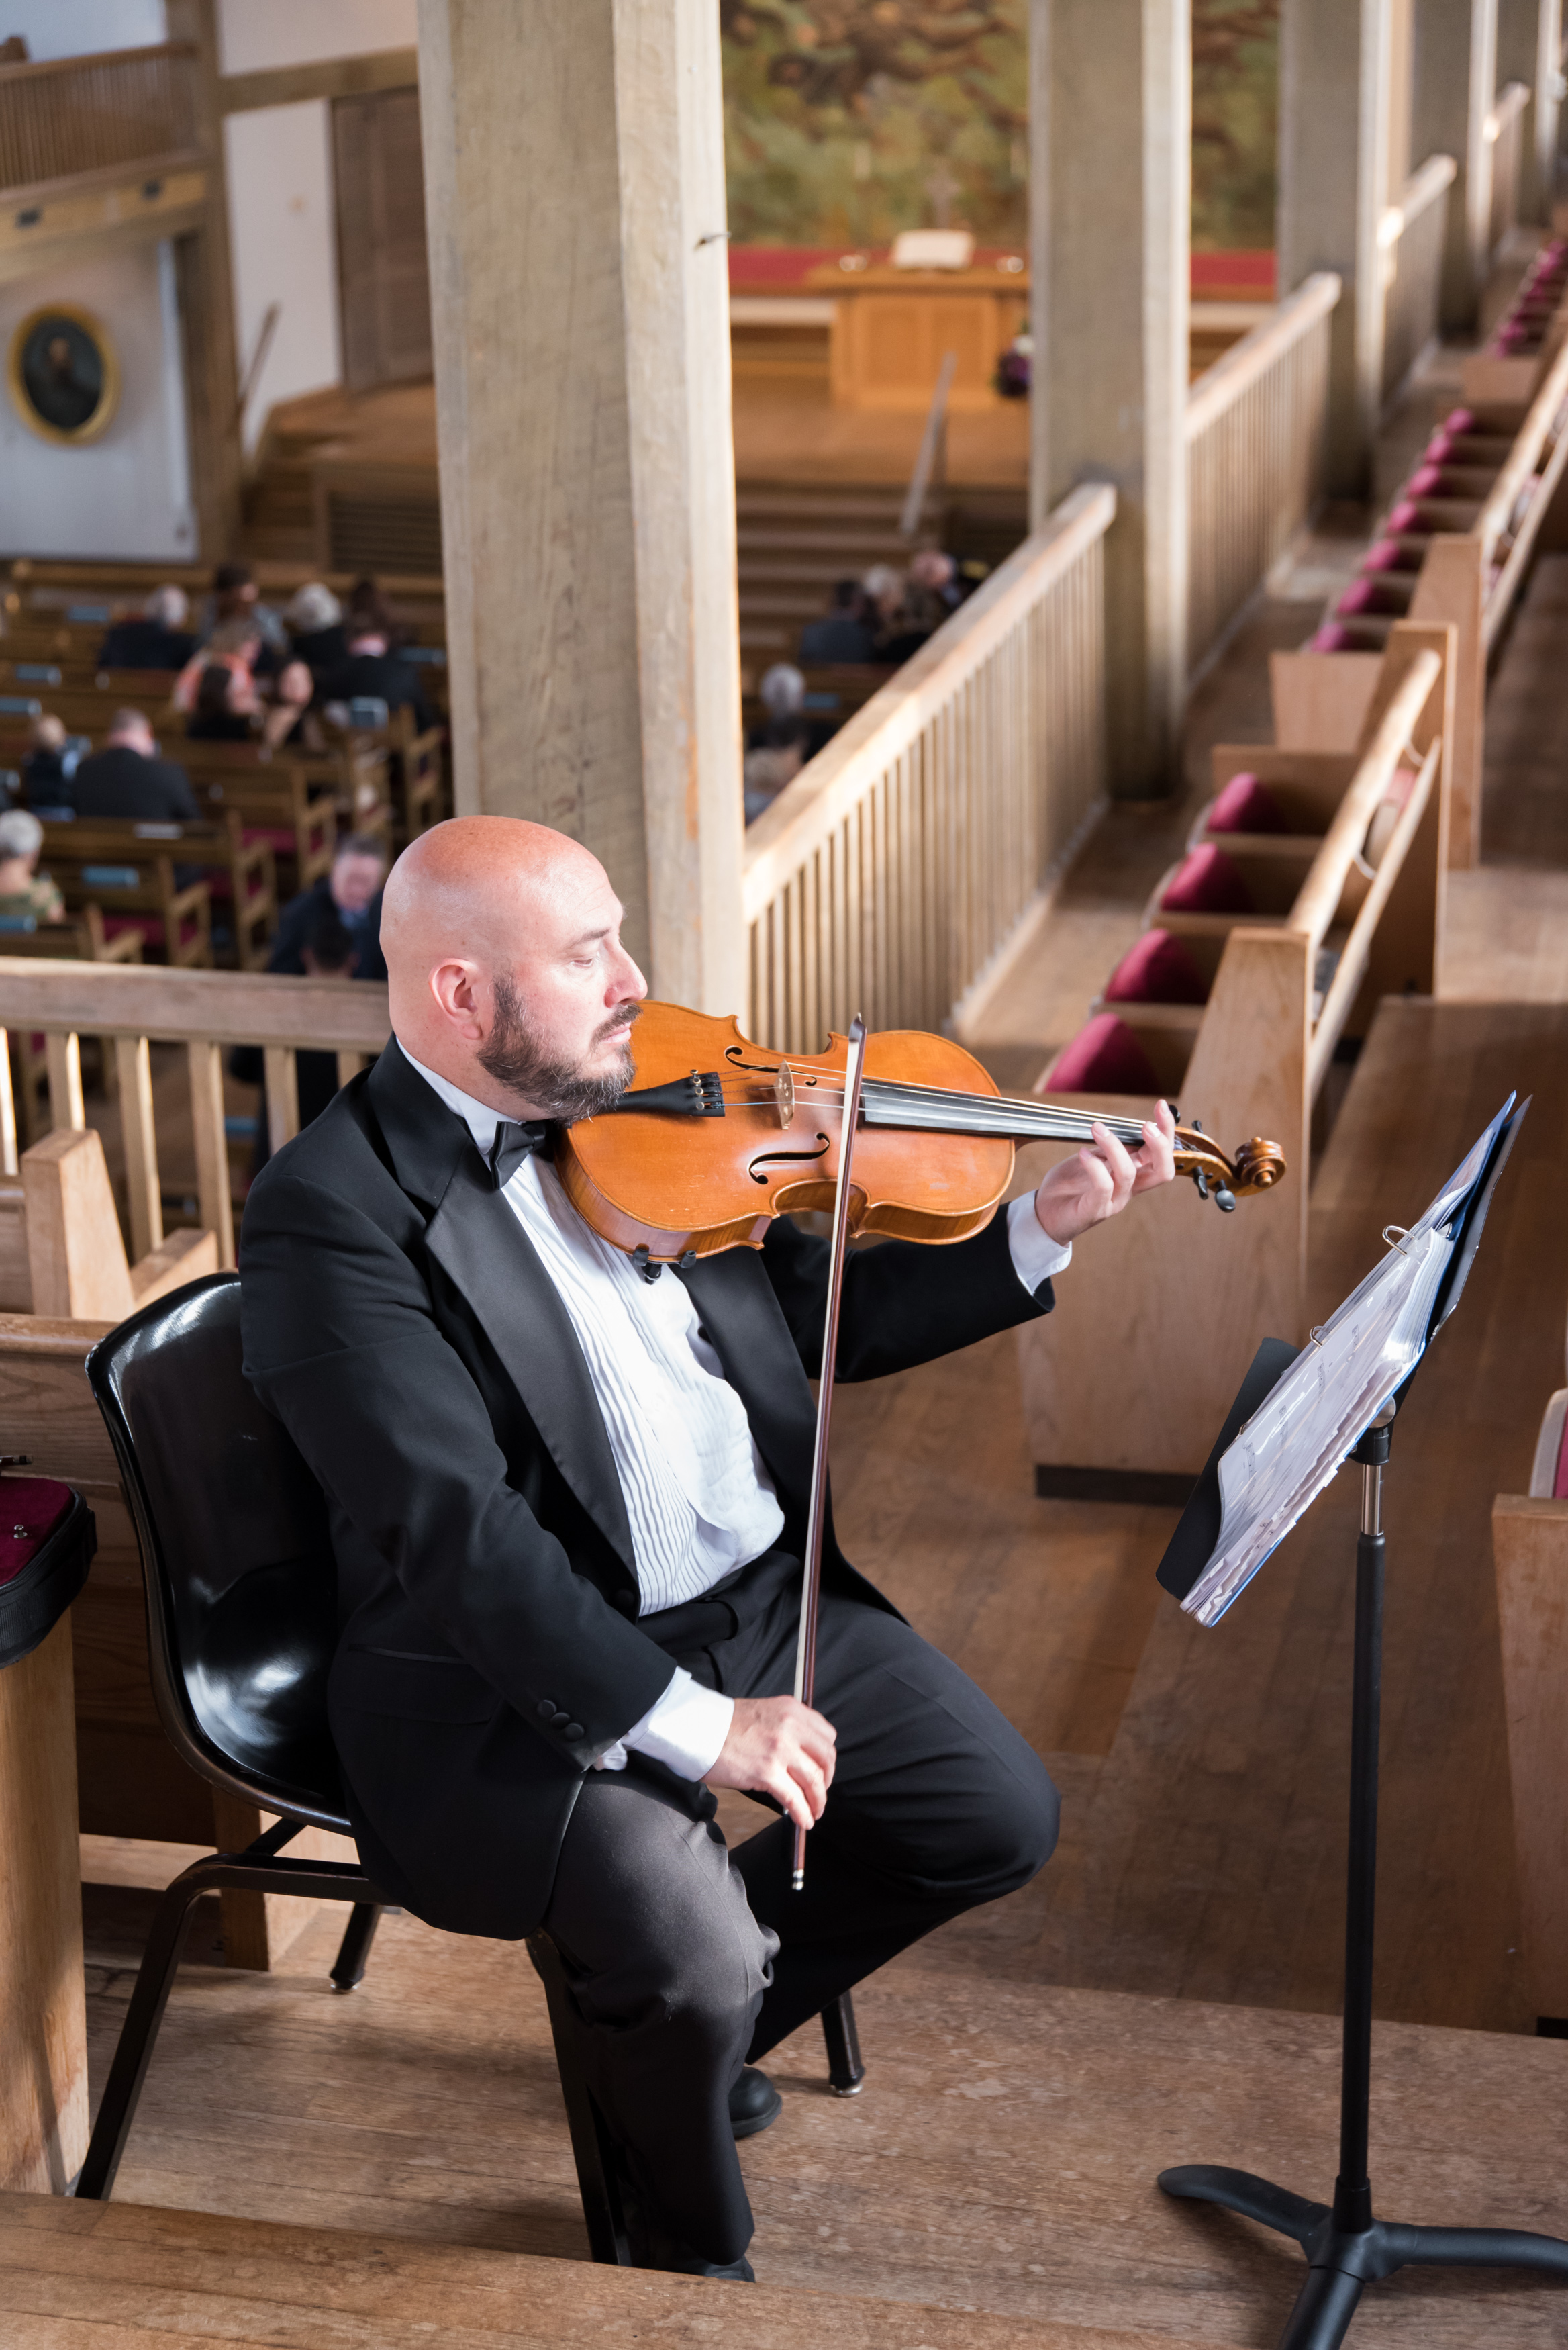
[[63, 373]]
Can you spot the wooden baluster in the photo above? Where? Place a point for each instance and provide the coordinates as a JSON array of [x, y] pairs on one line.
[[7, 1109], [64, 1066], [214, 1198], [282, 1094], [144, 1196]]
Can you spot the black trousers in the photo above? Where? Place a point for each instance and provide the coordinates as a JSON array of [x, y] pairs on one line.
[[687, 1960]]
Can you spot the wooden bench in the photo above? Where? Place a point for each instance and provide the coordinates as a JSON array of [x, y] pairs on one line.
[[131, 876], [241, 868], [1187, 1292], [1530, 1559], [80, 937]]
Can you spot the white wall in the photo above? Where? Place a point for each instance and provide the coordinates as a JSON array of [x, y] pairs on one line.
[[282, 214], [255, 34], [283, 240], [129, 494], [73, 28]]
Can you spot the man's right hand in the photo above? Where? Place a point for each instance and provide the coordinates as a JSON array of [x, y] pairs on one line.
[[779, 1747]]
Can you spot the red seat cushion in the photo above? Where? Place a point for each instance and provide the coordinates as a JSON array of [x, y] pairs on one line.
[[1330, 638], [1246, 805], [1426, 482], [1207, 881], [1158, 968], [1361, 596], [278, 837], [30, 1510], [1387, 554], [148, 927], [1459, 419], [1104, 1057], [1405, 521], [1559, 1481]]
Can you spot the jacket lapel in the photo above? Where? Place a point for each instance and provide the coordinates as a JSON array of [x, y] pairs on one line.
[[741, 1315], [482, 1249]]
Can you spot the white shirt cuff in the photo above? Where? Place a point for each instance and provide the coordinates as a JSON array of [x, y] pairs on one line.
[[1036, 1257], [685, 1729]]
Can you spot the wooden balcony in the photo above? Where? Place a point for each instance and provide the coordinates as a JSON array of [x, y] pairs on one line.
[[95, 146]]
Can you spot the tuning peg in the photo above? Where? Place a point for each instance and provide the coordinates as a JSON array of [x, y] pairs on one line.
[[1201, 1181], [1224, 1197]]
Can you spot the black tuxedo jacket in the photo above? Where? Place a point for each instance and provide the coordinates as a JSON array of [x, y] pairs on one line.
[[400, 1323]]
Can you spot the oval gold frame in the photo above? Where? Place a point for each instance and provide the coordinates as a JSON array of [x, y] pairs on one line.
[[103, 414]]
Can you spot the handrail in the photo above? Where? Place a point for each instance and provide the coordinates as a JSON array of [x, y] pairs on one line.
[[884, 727], [930, 441], [1319, 899], [257, 359], [1356, 952], [1236, 370], [1520, 468], [1507, 106], [1422, 189], [41, 69], [226, 1008]]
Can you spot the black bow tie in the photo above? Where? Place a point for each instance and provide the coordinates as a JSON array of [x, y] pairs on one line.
[[512, 1144]]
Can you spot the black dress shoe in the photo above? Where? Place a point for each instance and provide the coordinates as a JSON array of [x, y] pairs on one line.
[[754, 2103]]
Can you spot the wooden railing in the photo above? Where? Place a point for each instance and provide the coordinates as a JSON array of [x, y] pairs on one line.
[[894, 869], [1411, 236], [1505, 135], [1510, 519], [1255, 427], [65, 115], [134, 1007]]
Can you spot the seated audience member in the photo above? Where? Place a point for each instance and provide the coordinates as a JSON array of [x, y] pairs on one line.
[[934, 588], [326, 951], [234, 644], [235, 596], [765, 774], [786, 727], [373, 671], [898, 633], [846, 635], [226, 702], [127, 779], [48, 769], [351, 893], [314, 618], [24, 895], [368, 604], [157, 638], [289, 719]]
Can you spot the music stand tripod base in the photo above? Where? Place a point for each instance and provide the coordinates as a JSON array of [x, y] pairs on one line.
[[1346, 2248]]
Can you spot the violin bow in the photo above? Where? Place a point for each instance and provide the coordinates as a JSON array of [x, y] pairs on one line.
[[811, 1588]]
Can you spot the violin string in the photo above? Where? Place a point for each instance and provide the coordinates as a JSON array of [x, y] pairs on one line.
[[997, 1116]]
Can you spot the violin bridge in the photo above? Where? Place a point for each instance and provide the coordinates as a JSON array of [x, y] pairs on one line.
[[783, 1095]]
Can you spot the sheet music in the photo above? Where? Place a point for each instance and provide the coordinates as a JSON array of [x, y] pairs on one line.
[[1300, 1435]]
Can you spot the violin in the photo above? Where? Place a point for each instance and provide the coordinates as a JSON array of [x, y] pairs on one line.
[[717, 1136]]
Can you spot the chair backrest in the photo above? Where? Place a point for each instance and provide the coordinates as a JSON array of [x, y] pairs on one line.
[[236, 1551]]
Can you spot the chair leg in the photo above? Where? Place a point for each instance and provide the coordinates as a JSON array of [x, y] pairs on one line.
[[592, 2149], [354, 1950], [845, 2072], [138, 2035]]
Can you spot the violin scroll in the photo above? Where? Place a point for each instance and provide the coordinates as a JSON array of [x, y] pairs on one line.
[[1257, 1166]]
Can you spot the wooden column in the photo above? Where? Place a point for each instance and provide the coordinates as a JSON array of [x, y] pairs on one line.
[[1529, 42], [43, 2011], [575, 193], [1456, 81], [207, 308], [1335, 85], [1110, 118]]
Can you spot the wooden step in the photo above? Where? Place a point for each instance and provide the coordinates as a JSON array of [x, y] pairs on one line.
[[76, 2275]]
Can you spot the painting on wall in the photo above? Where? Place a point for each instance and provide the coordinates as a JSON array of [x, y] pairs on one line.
[[63, 374], [849, 120]]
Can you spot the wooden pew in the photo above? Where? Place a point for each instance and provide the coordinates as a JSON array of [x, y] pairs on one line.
[[80, 937], [1187, 1292], [1530, 1559], [243, 864], [131, 876]]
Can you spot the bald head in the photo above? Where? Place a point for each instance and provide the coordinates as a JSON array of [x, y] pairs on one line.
[[505, 968]]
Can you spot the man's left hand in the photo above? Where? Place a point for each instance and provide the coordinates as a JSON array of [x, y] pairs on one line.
[[1099, 1180]]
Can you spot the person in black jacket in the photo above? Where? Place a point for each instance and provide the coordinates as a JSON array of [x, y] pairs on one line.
[[351, 893], [314, 618], [157, 639], [372, 671], [568, 1505], [127, 779]]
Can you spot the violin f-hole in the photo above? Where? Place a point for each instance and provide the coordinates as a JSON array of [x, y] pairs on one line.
[[770, 1159]]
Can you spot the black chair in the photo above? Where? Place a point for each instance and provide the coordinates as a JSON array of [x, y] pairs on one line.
[[242, 1624]]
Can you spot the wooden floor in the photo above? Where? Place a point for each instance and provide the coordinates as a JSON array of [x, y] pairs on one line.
[[784, 432], [1001, 2158]]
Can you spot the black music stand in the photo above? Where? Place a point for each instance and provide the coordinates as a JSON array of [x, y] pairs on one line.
[[1346, 2247]]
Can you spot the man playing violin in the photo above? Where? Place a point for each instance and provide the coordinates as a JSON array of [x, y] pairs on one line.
[[568, 1509]]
